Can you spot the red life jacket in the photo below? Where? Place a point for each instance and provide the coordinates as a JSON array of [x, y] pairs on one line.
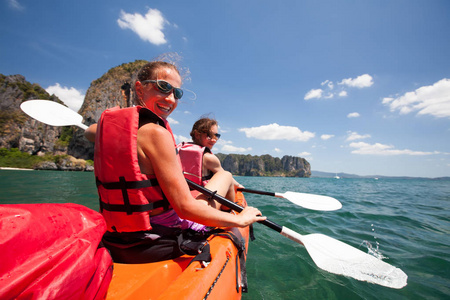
[[126, 195], [191, 156]]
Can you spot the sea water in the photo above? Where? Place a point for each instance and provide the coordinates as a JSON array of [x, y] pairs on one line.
[[404, 222]]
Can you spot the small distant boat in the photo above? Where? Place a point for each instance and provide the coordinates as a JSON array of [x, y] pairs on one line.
[[337, 177]]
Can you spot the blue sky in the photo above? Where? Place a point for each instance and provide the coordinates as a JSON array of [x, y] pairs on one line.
[[360, 87]]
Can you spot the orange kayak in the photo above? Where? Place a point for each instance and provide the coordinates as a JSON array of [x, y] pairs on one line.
[[174, 279]]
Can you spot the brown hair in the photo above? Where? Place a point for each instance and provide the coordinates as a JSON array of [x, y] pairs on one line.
[[202, 125], [150, 70]]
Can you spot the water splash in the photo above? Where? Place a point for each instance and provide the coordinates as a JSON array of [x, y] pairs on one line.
[[374, 251]]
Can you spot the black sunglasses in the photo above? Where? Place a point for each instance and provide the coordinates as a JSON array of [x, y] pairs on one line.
[[166, 88], [211, 136]]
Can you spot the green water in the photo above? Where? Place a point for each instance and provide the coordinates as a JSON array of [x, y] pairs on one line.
[[408, 218]]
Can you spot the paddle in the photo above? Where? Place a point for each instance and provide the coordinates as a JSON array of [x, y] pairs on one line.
[[52, 113], [55, 114], [329, 254], [310, 201]]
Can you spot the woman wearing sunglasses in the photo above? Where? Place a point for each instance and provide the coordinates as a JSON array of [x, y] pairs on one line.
[[142, 190], [198, 162]]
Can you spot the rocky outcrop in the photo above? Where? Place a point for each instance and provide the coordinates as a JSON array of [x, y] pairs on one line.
[[103, 93], [17, 130], [265, 165], [66, 163], [298, 166]]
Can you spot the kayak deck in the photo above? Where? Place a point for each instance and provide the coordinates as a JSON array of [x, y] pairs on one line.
[[134, 281], [174, 279]]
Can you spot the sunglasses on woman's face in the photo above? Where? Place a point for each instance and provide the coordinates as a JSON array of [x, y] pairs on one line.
[[211, 136], [166, 88]]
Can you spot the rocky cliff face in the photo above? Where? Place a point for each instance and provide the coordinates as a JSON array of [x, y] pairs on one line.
[[103, 93], [17, 130], [265, 165]]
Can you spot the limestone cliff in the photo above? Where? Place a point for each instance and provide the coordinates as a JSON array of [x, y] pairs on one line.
[[103, 93], [17, 130], [265, 165]]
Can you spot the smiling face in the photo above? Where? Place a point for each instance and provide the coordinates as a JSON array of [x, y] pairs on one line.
[[208, 139], [150, 96]]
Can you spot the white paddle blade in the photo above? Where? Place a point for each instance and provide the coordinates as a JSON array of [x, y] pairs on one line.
[[311, 201], [339, 258], [52, 113]]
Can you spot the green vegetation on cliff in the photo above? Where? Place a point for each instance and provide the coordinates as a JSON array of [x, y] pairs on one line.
[[13, 158], [29, 90]]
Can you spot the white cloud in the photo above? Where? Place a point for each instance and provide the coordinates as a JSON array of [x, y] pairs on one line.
[[329, 84], [304, 153], [172, 121], [355, 136], [15, 5], [277, 150], [427, 100], [353, 115], [314, 94], [227, 147], [149, 27], [326, 136], [180, 138], [277, 132], [233, 149], [380, 149], [328, 91], [359, 82], [223, 141], [72, 97], [343, 94]]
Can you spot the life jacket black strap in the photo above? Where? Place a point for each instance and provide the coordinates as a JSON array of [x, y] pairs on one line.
[[118, 185], [207, 177], [133, 207], [124, 186]]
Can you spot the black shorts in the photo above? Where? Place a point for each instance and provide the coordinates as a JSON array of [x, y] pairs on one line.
[[143, 247]]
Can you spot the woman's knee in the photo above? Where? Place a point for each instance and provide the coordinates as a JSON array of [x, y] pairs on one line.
[[224, 175]]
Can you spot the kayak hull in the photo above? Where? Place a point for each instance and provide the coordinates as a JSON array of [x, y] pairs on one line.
[[174, 279]]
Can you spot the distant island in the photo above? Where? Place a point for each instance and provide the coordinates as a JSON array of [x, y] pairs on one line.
[[265, 165]]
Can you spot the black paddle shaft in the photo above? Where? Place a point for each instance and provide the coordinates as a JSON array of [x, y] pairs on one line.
[[230, 204], [256, 192]]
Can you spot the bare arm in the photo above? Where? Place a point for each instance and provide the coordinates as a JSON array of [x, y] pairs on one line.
[[157, 156], [89, 134]]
